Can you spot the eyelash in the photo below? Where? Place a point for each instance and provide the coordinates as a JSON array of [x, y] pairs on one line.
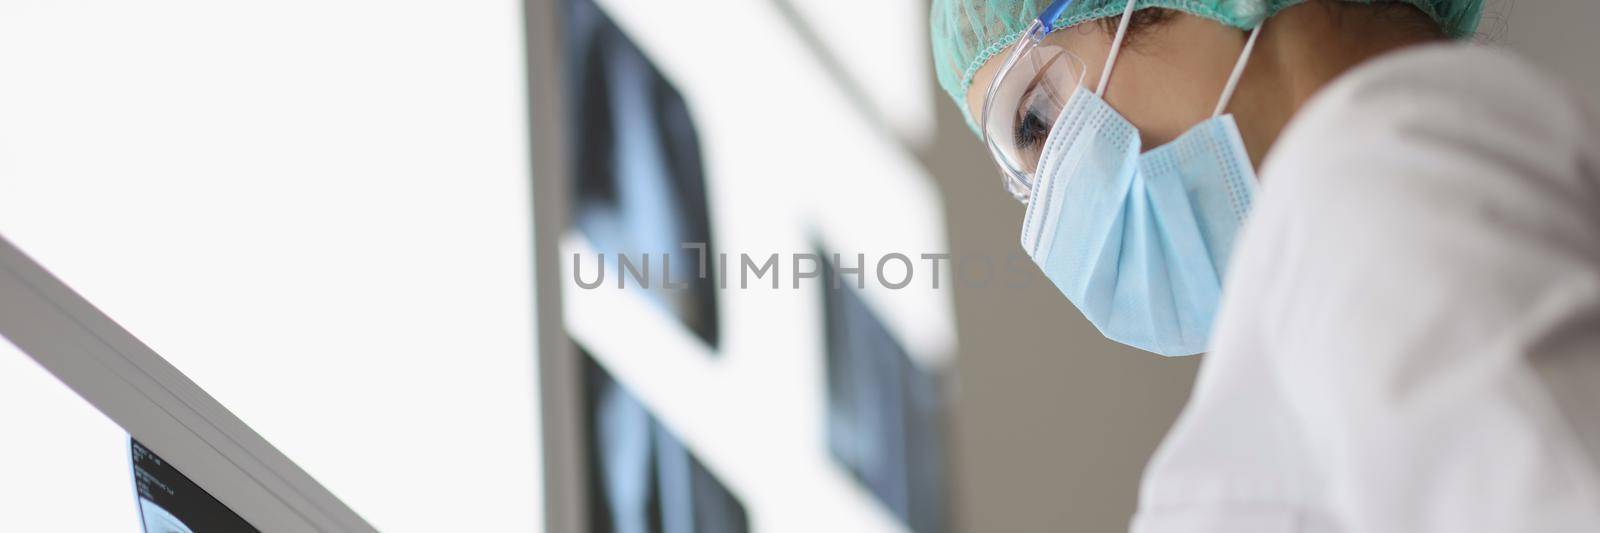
[[1031, 131]]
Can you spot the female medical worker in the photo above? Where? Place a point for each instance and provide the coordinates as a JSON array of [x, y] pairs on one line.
[[1408, 336]]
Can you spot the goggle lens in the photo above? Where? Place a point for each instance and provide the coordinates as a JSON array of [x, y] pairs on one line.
[[1022, 105]]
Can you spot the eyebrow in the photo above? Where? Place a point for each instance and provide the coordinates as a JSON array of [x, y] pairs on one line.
[[1033, 84]]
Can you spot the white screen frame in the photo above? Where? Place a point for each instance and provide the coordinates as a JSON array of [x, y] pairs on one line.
[[565, 461], [157, 405]]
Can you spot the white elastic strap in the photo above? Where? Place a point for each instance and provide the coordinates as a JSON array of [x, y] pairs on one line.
[[1238, 71], [1116, 46]]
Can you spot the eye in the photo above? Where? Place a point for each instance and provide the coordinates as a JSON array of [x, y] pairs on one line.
[[1033, 122], [1031, 131]]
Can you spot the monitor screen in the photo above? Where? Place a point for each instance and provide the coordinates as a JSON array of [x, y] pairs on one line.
[[170, 503]]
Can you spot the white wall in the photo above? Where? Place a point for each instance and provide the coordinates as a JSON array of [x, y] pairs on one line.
[[67, 467], [316, 209], [880, 48]]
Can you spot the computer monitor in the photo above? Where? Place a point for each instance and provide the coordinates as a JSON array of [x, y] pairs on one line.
[[195, 466]]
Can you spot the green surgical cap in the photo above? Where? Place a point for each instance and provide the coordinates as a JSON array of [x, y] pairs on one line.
[[966, 33]]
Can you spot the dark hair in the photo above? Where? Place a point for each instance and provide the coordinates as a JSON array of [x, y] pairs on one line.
[[1398, 14], [1394, 12], [1140, 23]]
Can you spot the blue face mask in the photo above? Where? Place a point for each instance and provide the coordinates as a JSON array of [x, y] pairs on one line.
[[1139, 241]]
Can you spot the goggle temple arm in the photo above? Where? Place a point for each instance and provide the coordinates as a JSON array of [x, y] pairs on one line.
[[1047, 18]]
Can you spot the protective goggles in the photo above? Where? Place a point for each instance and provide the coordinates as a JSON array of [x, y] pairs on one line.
[[1025, 98]]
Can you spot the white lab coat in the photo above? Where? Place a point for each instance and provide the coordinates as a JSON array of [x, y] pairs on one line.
[[1409, 339]]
